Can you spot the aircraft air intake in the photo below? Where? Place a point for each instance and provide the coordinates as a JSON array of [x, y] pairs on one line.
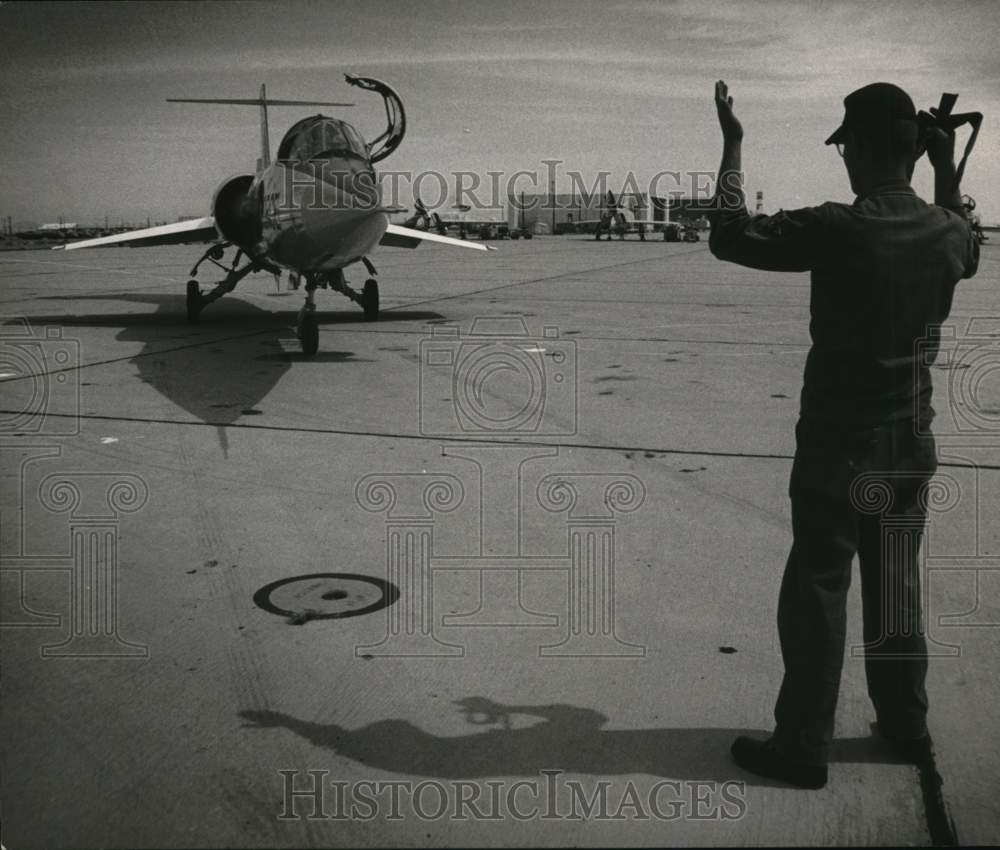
[[237, 215]]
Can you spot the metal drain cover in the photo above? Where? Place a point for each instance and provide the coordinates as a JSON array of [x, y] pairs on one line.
[[326, 596]]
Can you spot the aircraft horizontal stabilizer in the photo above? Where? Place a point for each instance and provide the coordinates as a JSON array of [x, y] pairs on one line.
[[397, 236], [256, 101], [193, 230]]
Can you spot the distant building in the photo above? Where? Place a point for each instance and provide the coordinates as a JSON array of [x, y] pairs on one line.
[[570, 209], [58, 226], [528, 209]]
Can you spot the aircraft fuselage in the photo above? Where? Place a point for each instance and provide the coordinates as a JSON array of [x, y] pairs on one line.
[[318, 215]]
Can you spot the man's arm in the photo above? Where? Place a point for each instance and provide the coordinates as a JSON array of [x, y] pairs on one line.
[[941, 153], [729, 185], [947, 194], [788, 241]]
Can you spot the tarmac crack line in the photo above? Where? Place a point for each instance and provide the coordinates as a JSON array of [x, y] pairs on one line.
[[547, 278], [343, 432], [940, 823], [132, 357]]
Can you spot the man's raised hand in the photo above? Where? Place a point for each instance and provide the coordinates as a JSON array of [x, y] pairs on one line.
[[940, 146], [732, 130]]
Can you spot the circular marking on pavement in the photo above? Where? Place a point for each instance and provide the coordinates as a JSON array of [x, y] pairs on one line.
[[326, 596]]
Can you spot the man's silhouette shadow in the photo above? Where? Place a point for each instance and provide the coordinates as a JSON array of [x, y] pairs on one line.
[[569, 738]]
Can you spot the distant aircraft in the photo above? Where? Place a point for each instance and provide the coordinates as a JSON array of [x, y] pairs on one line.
[[466, 225], [314, 211], [620, 219], [969, 204], [422, 219]]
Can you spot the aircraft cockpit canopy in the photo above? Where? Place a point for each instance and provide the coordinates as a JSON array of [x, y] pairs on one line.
[[321, 137]]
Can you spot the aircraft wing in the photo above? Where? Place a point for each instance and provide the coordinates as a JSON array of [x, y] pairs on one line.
[[628, 221], [397, 236], [470, 222], [195, 230]]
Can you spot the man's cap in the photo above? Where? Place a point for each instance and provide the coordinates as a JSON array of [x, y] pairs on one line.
[[872, 111]]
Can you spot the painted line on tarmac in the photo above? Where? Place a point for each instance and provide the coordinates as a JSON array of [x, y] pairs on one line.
[[342, 329], [343, 432], [81, 366], [129, 271], [658, 257]]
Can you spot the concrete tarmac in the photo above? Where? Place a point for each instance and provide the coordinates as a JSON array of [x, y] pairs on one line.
[[569, 459]]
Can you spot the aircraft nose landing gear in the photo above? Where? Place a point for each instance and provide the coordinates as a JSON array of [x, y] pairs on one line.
[[307, 328]]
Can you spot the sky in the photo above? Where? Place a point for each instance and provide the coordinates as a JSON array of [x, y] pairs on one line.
[[620, 87]]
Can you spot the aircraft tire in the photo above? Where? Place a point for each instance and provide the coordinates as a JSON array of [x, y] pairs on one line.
[[309, 334], [369, 299], [192, 302]]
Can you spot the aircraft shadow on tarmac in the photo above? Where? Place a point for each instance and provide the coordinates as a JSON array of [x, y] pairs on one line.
[[569, 738], [215, 379]]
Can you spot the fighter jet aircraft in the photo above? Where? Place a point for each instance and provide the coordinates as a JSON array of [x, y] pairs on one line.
[[313, 211], [618, 218]]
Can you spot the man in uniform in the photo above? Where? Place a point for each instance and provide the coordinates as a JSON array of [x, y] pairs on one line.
[[883, 272]]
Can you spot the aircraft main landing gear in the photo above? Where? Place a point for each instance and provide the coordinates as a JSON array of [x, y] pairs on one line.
[[369, 300], [193, 302], [196, 300]]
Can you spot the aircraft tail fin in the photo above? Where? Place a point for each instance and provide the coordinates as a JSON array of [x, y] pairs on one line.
[[263, 103], [265, 134]]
